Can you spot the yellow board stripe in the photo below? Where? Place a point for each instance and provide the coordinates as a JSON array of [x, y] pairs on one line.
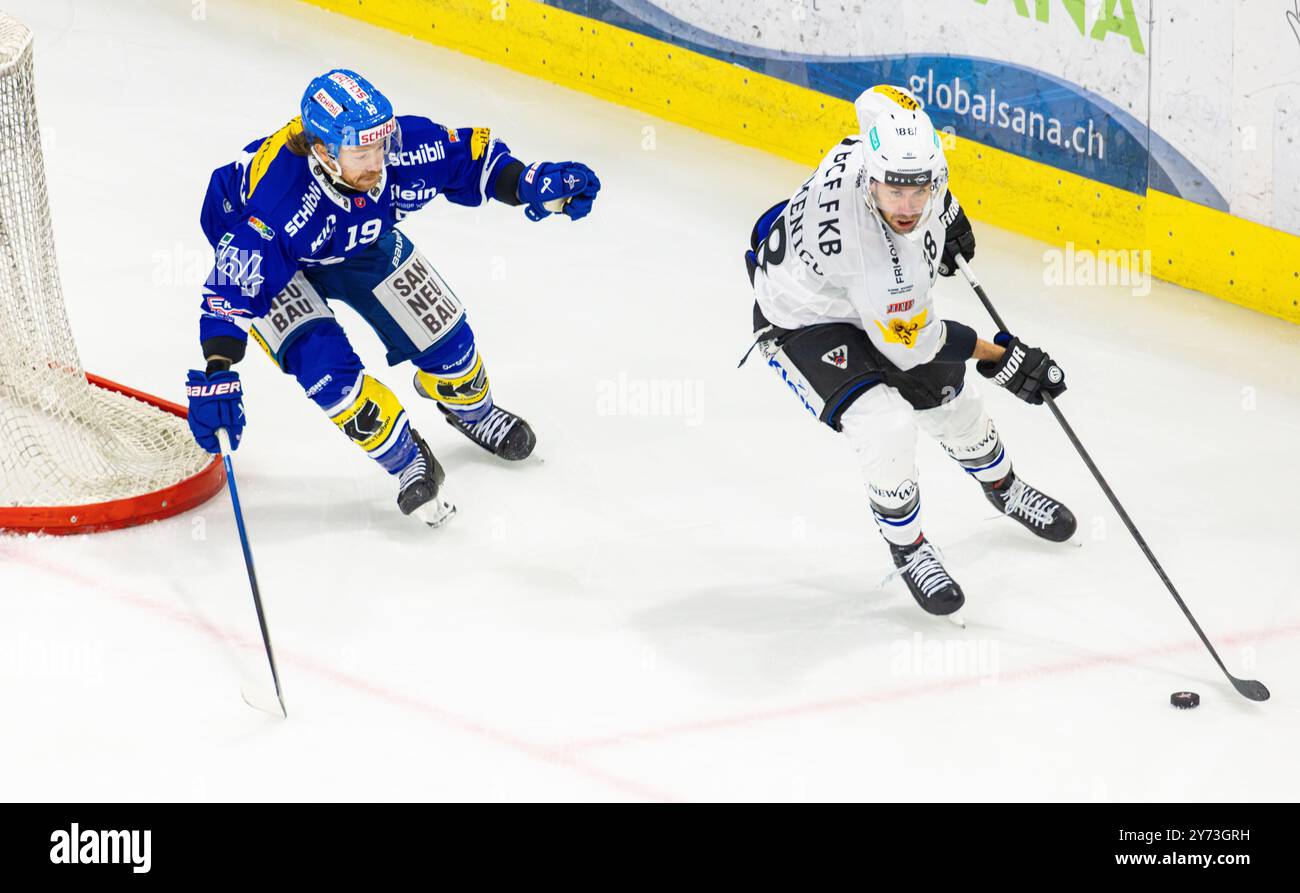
[[270, 148], [1211, 251]]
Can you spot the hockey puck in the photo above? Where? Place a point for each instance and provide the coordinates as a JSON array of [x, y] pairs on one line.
[[1185, 700]]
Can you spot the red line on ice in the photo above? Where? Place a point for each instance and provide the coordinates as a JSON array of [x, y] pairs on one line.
[[852, 702], [548, 754]]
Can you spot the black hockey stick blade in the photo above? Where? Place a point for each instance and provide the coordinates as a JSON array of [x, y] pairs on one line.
[[1250, 688]]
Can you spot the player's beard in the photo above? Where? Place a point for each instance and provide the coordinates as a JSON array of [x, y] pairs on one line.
[[892, 220], [366, 182], [902, 224]]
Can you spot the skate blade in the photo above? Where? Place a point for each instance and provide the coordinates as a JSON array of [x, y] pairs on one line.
[[956, 619], [436, 512]]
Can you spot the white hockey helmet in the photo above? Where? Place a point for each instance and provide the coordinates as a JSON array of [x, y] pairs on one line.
[[879, 99], [901, 147]]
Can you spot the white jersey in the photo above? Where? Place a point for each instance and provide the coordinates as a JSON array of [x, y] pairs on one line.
[[830, 258]]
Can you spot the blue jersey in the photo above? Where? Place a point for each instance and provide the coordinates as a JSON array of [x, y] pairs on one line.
[[271, 213]]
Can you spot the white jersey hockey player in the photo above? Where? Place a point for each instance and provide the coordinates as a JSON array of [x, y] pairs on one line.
[[844, 313]]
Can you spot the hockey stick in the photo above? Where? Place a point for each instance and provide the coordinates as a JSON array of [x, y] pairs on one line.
[[1248, 688], [223, 439]]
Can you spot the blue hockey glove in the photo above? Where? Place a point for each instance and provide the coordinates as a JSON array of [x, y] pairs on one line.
[[216, 401], [547, 181]]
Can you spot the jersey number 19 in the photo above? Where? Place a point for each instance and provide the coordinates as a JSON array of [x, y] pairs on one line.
[[369, 232]]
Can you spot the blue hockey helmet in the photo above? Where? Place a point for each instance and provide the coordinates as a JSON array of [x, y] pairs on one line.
[[341, 108]]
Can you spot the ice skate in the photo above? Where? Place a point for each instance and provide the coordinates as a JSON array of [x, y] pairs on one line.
[[1035, 511], [500, 432], [927, 580], [420, 487]]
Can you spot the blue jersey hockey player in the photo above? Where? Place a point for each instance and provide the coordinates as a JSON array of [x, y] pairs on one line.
[[307, 216]]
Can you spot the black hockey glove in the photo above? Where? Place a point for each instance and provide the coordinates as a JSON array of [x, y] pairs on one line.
[[1027, 372], [959, 240]]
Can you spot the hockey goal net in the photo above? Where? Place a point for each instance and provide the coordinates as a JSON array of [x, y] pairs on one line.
[[77, 452]]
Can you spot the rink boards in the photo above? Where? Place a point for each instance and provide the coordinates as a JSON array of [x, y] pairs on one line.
[[1186, 242]]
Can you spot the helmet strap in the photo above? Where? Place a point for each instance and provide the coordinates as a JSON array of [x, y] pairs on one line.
[[869, 194], [330, 165]]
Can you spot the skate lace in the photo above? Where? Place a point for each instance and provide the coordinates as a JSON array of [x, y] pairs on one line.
[[414, 470], [493, 427], [1027, 502], [925, 569]]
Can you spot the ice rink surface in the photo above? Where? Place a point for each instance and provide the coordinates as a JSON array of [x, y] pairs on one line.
[[679, 597]]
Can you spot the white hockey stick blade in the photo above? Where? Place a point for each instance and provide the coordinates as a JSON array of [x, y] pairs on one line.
[[260, 699]]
